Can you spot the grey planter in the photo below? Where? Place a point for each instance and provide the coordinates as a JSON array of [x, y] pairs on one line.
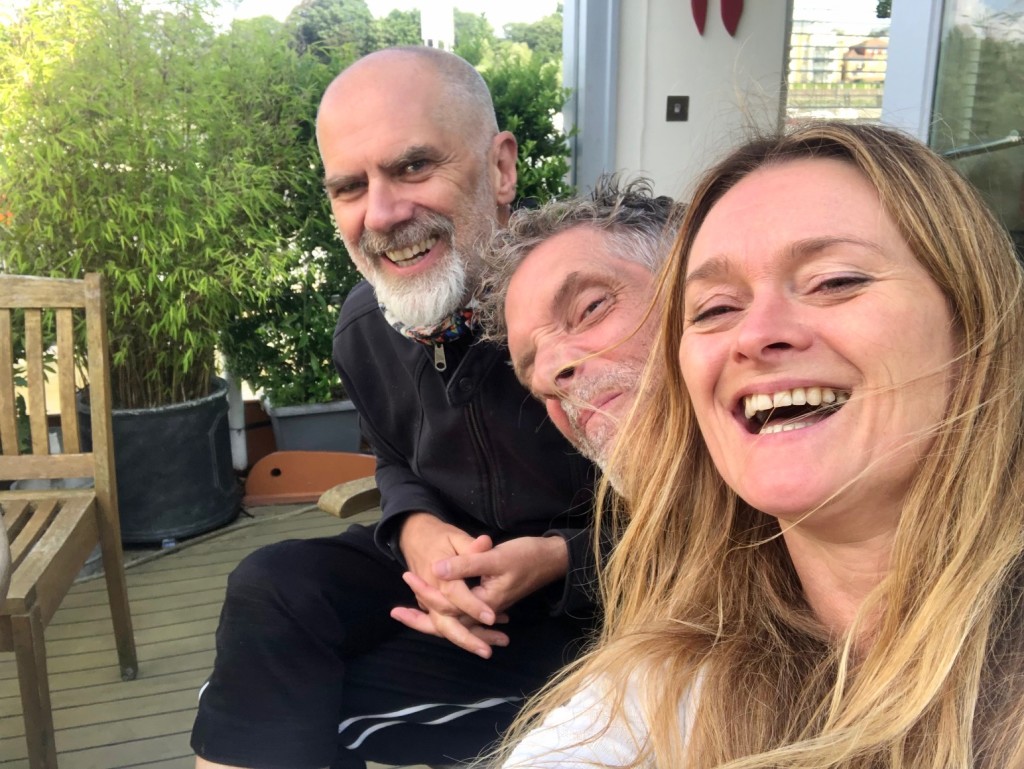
[[330, 426]]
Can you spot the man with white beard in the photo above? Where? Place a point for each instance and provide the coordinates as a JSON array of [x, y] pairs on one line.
[[568, 288], [366, 646]]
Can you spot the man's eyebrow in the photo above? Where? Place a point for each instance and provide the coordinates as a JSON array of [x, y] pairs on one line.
[[390, 167], [410, 155], [571, 286], [337, 181]]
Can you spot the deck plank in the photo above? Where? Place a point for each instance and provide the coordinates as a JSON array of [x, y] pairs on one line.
[[104, 723]]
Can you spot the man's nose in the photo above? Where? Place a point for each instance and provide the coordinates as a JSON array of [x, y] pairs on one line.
[[386, 207], [554, 370], [772, 323]]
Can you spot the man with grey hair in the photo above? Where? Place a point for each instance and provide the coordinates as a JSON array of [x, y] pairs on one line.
[[570, 286], [367, 646]]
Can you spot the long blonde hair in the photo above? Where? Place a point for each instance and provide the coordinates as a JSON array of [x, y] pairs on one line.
[[699, 587]]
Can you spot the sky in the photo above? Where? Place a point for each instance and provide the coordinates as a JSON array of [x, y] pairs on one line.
[[498, 12], [845, 14]]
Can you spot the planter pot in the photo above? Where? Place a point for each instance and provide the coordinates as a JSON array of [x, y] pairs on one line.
[[259, 433], [173, 464], [330, 426]]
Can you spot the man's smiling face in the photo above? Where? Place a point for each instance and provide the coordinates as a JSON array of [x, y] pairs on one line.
[[414, 185], [579, 332]]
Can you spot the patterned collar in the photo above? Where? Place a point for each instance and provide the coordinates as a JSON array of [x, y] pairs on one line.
[[460, 323]]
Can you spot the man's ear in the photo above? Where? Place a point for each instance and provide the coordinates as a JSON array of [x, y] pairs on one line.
[[504, 152]]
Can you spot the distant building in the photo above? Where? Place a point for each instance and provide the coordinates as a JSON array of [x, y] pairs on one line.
[[819, 53], [865, 61]]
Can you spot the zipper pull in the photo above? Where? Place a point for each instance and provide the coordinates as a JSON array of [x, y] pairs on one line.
[[439, 360]]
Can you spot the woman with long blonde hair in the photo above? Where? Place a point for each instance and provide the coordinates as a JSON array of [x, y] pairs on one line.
[[820, 563]]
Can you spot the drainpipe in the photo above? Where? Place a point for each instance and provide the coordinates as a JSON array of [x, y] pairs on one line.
[[236, 423]]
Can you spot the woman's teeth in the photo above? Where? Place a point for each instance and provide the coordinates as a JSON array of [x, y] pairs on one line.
[[415, 252], [785, 407], [798, 396]]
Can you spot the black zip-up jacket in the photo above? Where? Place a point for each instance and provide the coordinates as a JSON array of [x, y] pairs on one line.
[[467, 444]]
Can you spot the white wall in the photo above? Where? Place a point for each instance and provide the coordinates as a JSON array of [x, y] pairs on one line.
[[732, 83]]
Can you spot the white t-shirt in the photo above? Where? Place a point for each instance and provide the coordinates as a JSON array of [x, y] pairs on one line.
[[574, 736]]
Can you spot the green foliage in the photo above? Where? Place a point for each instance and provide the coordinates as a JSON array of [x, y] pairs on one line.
[[528, 94], [282, 343], [883, 9], [397, 28], [182, 164], [544, 36], [284, 346], [144, 146], [345, 27], [21, 420], [474, 38]]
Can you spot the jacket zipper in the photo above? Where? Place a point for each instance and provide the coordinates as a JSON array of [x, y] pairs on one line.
[[488, 463]]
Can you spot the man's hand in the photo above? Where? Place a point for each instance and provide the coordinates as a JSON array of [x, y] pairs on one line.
[[510, 571], [442, 557], [449, 607]]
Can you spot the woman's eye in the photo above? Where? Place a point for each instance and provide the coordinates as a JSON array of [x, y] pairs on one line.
[[841, 283], [712, 312]]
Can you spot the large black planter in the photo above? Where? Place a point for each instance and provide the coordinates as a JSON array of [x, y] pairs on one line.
[[173, 464]]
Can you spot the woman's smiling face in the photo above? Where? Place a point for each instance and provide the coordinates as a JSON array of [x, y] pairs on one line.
[[816, 348]]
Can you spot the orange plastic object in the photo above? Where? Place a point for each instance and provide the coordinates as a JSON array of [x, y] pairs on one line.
[[284, 477]]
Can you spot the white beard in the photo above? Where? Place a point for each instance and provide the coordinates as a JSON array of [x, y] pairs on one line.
[[427, 299], [430, 298]]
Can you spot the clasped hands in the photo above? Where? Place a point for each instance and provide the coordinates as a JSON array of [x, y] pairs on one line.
[[441, 558]]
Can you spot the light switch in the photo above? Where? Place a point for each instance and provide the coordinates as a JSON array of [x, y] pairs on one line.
[[678, 108]]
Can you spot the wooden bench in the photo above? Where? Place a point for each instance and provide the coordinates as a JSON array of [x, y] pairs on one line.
[[54, 326]]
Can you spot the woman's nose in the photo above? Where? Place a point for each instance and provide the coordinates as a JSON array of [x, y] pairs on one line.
[[771, 324]]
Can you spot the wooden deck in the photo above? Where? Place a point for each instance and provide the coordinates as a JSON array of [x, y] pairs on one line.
[[104, 723]]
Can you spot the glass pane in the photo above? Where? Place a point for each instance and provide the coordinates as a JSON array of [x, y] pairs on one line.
[[837, 57], [979, 102]]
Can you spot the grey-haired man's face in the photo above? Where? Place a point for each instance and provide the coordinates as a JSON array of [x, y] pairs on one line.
[[579, 333]]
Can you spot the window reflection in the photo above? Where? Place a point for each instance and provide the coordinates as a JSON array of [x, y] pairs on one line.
[[979, 101]]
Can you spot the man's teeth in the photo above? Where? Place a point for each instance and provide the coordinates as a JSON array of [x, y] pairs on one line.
[[405, 254]]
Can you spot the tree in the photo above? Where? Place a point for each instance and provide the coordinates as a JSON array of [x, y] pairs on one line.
[[397, 28], [528, 94], [144, 146], [340, 25], [282, 343], [544, 36], [474, 38]]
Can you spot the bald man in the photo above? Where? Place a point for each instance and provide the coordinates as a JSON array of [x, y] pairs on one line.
[[366, 646]]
